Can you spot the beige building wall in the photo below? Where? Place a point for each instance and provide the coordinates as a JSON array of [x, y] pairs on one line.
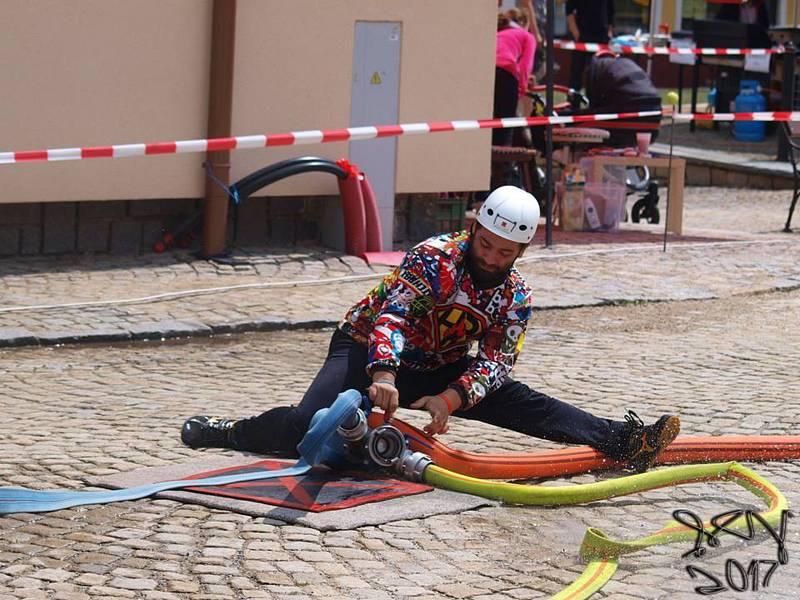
[[301, 79], [99, 72]]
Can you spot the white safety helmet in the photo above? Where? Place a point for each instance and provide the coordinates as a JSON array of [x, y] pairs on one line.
[[511, 213]]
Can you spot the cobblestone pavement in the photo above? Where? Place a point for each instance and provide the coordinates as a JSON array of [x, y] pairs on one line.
[[564, 276], [722, 140], [727, 366]]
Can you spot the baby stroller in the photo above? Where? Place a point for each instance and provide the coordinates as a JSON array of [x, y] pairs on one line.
[[637, 178]]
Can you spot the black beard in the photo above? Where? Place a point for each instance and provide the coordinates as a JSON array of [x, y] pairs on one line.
[[482, 279]]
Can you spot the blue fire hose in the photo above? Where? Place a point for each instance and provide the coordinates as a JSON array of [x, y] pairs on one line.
[[321, 445]]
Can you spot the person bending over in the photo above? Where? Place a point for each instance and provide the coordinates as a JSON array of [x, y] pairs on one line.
[[617, 84]]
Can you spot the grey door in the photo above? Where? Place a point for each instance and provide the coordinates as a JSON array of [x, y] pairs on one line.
[[376, 84]]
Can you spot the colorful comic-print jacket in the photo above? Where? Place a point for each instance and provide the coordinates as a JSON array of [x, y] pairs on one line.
[[427, 313]]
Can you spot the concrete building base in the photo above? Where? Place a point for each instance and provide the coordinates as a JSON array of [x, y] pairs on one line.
[[135, 226]]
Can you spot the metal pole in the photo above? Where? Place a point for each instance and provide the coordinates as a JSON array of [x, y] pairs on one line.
[[695, 83], [655, 11], [669, 171], [551, 13], [787, 95], [220, 100]]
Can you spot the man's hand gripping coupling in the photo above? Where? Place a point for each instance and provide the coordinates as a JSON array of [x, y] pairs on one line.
[[383, 393]]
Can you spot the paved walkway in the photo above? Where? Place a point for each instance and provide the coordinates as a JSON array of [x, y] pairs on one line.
[[730, 160], [721, 140], [727, 365], [308, 288], [91, 410]]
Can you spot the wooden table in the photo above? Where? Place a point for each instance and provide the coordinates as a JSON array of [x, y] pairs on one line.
[[677, 176]]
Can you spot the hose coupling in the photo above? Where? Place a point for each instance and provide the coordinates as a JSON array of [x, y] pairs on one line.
[[386, 445], [355, 429], [412, 465]]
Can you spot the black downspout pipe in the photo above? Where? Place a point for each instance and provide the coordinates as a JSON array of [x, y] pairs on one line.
[[550, 60]]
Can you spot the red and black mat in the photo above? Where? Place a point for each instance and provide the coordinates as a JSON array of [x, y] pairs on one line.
[[318, 490]]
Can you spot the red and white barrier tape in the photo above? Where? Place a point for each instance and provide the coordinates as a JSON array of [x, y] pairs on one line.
[[619, 49], [355, 133], [748, 116]]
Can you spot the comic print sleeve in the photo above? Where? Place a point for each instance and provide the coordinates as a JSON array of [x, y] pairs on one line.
[[497, 352], [411, 295]]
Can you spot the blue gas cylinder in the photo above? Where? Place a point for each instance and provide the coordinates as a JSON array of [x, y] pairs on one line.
[[749, 99]]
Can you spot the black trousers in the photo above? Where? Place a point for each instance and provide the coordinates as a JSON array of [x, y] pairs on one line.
[[506, 93], [580, 60], [514, 406]]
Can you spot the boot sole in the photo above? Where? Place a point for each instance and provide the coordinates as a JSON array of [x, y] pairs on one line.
[[665, 437], [668, 434]]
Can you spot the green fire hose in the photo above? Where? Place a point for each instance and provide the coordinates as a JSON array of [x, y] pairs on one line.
[[597, 549]]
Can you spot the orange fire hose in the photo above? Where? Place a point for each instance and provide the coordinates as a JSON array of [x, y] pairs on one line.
[[580, 459]]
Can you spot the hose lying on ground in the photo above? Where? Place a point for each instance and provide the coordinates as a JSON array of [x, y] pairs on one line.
[[335, 428], [467, 472], [581, 459], [318, 446], [601, 552]]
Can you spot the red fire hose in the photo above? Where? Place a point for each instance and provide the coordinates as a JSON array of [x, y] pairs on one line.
[[581, 459]]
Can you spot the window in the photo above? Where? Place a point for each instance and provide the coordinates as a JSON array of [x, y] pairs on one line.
[[631, 15], [702, 9]]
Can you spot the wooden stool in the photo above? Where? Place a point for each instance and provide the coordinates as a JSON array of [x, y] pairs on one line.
[[526, 157], [572, 137]]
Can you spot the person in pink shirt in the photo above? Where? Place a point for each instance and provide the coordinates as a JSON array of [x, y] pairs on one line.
[[515, 49]]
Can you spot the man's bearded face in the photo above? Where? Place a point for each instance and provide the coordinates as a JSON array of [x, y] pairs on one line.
[[490, 257]]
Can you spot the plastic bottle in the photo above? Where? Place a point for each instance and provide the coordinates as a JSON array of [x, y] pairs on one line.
[[712, 100], [572, 206]]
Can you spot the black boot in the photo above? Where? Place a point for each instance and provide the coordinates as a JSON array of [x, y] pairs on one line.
[[645, 443], [207, 432]]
